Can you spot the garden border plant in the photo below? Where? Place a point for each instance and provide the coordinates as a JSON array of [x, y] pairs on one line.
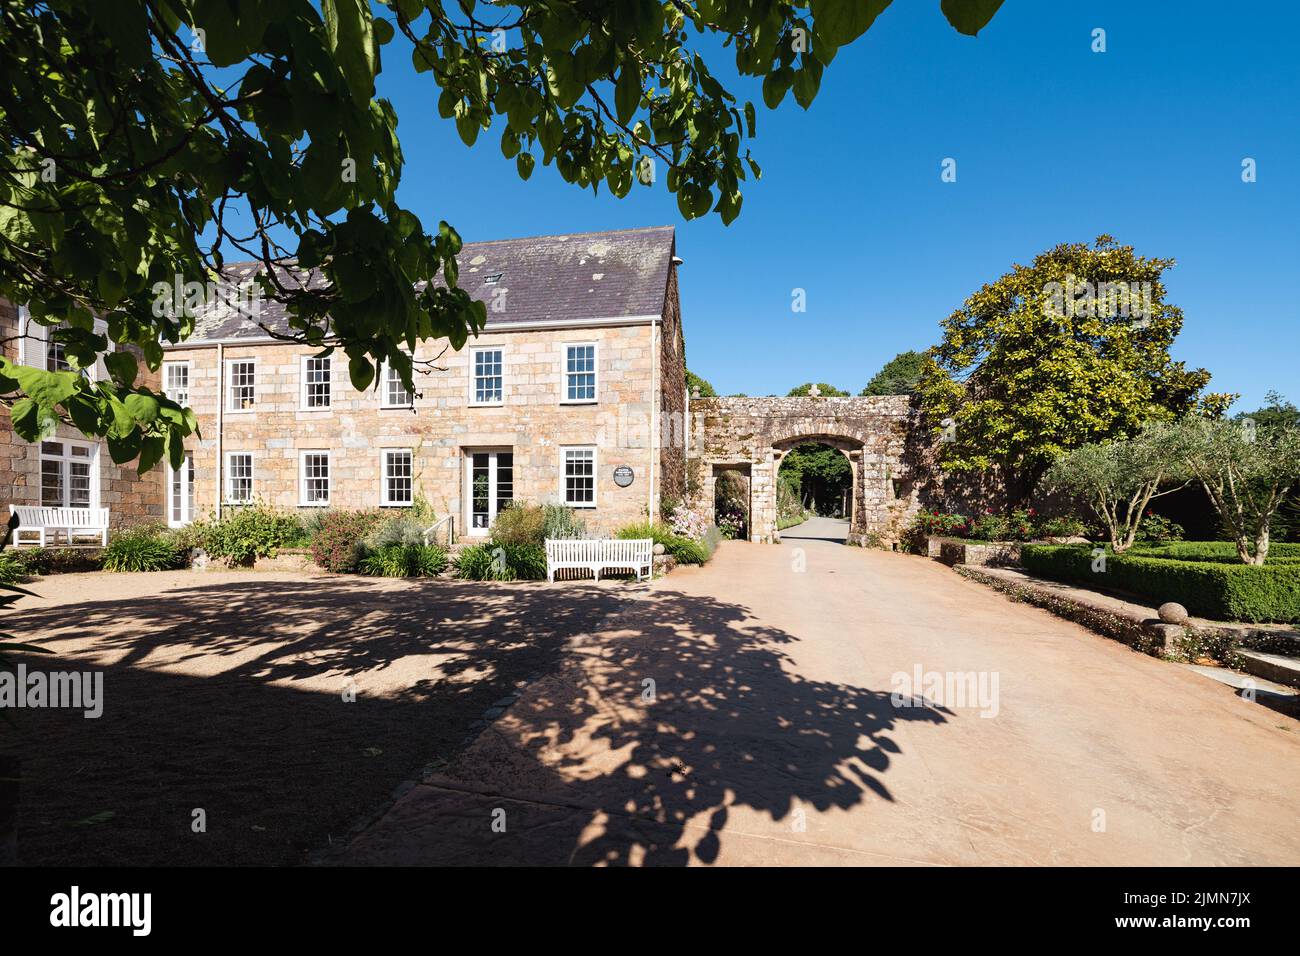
[[1213, 589]]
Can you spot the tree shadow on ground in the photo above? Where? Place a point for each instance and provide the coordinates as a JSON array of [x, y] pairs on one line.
[[229, 698], [650, 728], [683, 719]]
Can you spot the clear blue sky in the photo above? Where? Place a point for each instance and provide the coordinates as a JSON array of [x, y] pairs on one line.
[[1053, 143]]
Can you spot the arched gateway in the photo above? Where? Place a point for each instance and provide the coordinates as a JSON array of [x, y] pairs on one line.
[[877, 434]]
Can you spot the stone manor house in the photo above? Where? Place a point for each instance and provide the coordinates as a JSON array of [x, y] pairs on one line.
[[574, 393], [561, 398]]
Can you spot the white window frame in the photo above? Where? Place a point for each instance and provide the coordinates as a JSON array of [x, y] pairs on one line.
[[187, 492], [564, 475], [303, 383], [229, 481], [228, 398], [167, 368], [565, 373], [474, 376], [384, 371], [385, 501], [302, 477], [66, 459]]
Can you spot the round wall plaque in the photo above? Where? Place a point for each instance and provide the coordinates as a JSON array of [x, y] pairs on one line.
[[623, 476]]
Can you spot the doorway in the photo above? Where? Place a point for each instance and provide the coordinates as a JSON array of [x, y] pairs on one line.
[[490, 487]]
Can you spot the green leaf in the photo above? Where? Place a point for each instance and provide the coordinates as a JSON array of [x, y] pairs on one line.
[[838, 23], [122, 366], [361, 371], [970, 16], [807, 81], [627, 92], [143, 407], [351, 40], [524, 164], [151, 452], [774, 86]]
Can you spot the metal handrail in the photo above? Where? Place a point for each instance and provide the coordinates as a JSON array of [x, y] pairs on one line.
[[450, 522]]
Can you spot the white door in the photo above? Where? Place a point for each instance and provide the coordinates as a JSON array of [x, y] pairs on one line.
[[490, 477], [180, 493]]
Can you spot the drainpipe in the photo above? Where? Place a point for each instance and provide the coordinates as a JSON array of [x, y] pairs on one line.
[[221, 407], [654, 405]]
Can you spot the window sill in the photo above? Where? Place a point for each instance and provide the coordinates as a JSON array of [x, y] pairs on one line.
[[313, 504], [487, 404], [579, 401], [589, 505]]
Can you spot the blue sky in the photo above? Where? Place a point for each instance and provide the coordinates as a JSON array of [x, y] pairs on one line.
[[1053, 143]]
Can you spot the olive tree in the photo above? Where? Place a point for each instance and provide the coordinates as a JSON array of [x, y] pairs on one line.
[[1118, 479], [1246, 470]]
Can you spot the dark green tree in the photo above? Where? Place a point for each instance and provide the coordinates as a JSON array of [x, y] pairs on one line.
[[1277, 411], [1067, 351], [693, 382], [824, 390], [899, 376]]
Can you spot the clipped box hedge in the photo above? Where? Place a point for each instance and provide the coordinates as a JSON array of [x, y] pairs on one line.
[[1206, 587], [1222, 551]]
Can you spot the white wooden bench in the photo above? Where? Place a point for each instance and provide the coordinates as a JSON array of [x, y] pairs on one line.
[[600, 554], [46, 523]]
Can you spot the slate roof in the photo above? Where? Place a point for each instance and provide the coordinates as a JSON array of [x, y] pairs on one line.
[[577, 276]]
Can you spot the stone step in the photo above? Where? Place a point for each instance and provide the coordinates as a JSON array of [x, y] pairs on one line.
[[1280, 668], [1258, 690]]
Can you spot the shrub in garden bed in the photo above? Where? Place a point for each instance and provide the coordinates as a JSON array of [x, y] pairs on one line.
[[144, 548], [244, 534], [1209, 588], [495, 561], [42, 561], [683, 550], [338, 538], [11, 568], [1217, 551], [404, 561]]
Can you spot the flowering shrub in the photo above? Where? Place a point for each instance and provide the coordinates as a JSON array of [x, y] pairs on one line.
[[1018, 525], [686, 523], [732, 525], [337, 541]]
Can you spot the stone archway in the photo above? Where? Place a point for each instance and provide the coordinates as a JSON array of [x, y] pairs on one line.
[[873, 432], [850, 449]]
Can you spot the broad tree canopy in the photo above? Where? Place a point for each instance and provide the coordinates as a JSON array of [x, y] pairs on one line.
[[1071, 349], [148, 141]]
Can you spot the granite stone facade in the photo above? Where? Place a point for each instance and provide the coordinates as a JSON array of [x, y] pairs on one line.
[[442, 428]]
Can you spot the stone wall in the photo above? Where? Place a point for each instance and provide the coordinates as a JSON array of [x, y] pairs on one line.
[[879, 435], [130, 499]]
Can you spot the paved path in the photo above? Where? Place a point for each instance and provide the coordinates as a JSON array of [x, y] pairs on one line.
[[741, 713]]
